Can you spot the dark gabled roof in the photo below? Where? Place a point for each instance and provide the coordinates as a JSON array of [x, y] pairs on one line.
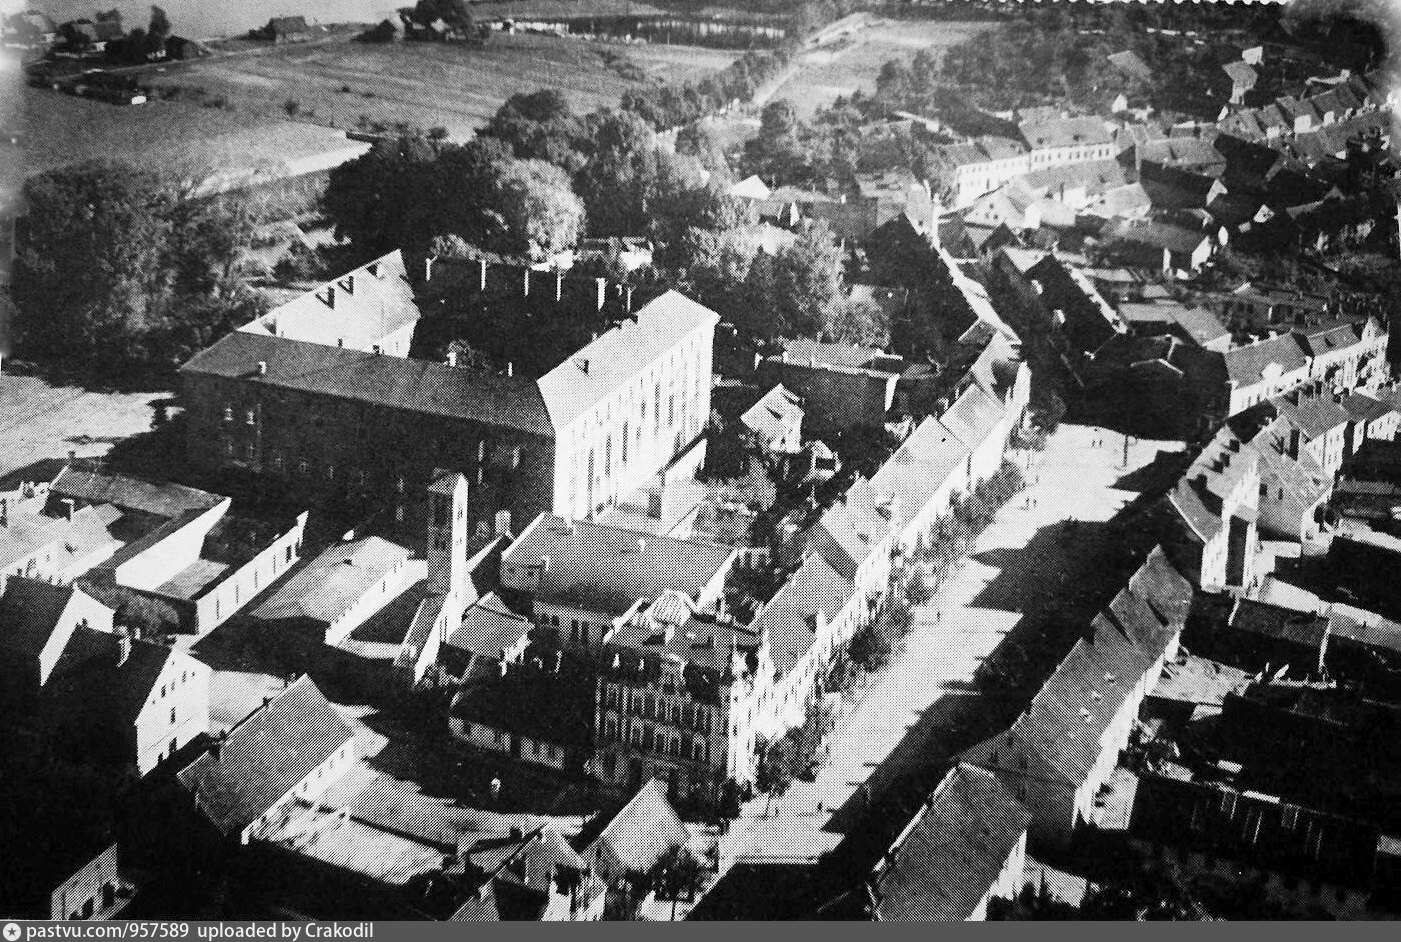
[[1313, 413], [1159, 235], [1070, 713], [1284, 624], [548, 706], [953, 852], [1328, 339], [419, 386], [264, 756], [489, 627], [1167, 591], [1245, 365], [1200, 494], [92, 668], [29, 611], [87, 481], [1365, 408], [1065, 132], [639, 833]]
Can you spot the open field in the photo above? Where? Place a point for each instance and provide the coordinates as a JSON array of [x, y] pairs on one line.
[[202, 19], [175, 135], [347, 85], [40, 422], [851, 59], [229, 113]]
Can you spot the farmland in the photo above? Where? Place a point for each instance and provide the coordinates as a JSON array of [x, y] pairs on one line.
[[850, 58], [350, 85]]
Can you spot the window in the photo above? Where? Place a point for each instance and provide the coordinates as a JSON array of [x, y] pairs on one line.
[[228, 413], [172, 714], [250, 417]]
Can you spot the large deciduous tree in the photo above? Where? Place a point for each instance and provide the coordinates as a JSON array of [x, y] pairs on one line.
[[808, 281], [539, 211], [542, 126], [118, 271]]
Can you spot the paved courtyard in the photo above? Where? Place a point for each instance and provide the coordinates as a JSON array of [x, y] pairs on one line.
[[1030, 562]]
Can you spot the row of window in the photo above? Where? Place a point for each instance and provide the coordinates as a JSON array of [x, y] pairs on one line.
[[656, 739], [648, 706]]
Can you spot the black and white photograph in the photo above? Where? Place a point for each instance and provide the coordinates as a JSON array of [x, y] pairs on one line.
[[697, 460]]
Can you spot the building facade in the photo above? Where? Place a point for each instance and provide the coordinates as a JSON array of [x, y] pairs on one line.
[[343, 423]]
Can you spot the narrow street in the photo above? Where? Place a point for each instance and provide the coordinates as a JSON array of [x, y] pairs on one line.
[[926, 705]]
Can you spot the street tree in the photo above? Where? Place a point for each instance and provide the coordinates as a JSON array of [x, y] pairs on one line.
[[677, 873]]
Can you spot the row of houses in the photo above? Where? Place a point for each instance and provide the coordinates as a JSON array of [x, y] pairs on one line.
[[1039, 784], [1349, 96], [970, 169], [690, 675]]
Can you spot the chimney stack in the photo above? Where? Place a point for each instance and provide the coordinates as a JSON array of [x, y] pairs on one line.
[[262, 367], [510, 368], [452, 356], [428, 269], [123, 647], [69, 505], [601, 294]]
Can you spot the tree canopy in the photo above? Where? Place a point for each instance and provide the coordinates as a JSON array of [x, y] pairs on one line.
[[405, 193], [117, 271]]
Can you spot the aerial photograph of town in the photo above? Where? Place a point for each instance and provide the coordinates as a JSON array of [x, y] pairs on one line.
[[671, 460]]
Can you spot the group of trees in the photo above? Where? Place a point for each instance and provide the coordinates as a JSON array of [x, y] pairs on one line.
[[408, 191], [143, 45], [120, 274]]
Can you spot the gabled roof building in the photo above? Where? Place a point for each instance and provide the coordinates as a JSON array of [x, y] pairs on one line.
[[292, 747], [1062, 748]]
